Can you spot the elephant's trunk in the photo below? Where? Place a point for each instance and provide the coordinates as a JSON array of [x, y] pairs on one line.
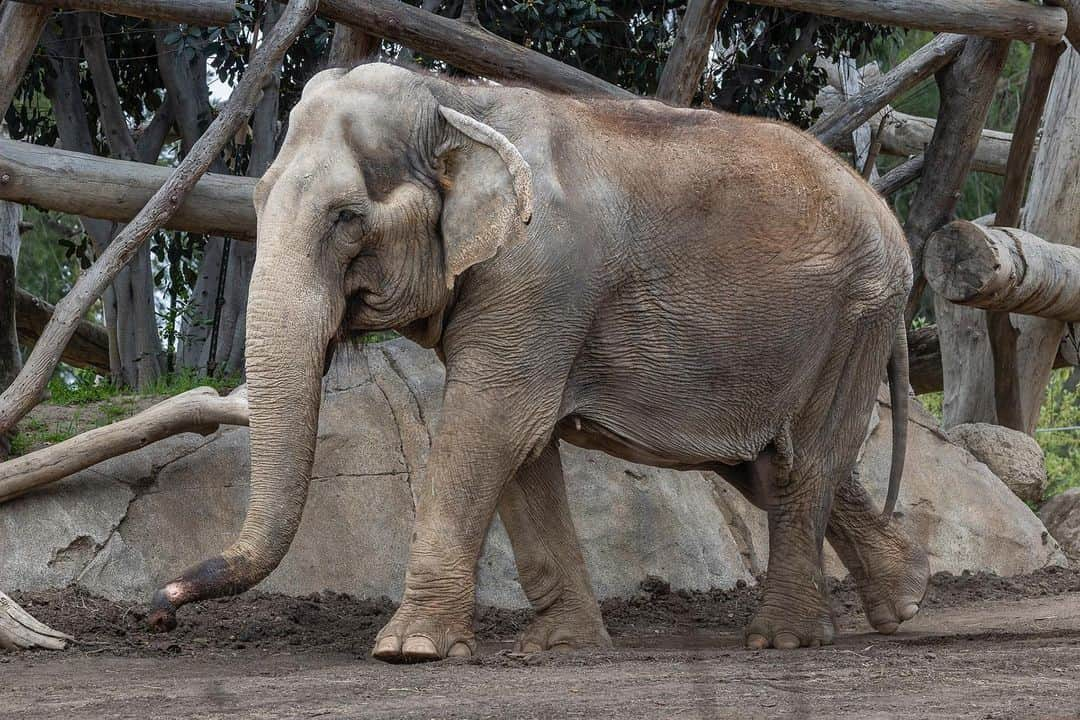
[[290, 321]]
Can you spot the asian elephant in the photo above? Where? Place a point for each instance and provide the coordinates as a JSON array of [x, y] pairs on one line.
[[681, 288]]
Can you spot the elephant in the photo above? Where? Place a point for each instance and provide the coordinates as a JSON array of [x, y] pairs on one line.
[[681, 288]]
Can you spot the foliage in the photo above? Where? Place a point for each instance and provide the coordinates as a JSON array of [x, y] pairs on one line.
[[86, 387], [1061, 409]]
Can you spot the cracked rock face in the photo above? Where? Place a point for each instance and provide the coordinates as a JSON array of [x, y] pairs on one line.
[[125, 526]]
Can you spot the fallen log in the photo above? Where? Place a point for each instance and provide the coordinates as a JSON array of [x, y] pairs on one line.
[[690, 53], [201, 410], [924, 360], [1004, 269], [207, 13], [1002, 333], [89, 346], [20, 27], [465, 46], [1004, 19], [20, 631], [97, 187], [24, 393], [838, 124]]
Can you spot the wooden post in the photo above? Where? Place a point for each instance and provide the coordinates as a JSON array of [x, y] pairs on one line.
[[1004, 269], [89, 346], [18, 399], [200, 410], [967, 87], [465, 46], [207, 13], [838, 124], [1004, 19], [1072, 29], [117, 190], [690, 53], [20, 29], [900, 176], [351, 46], [1002, 334]]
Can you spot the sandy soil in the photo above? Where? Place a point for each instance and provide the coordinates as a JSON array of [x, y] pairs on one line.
[[983, 647]]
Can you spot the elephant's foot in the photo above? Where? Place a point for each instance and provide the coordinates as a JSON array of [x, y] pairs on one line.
[[414, 635], [892, 576], [565, 625], [787, 625]]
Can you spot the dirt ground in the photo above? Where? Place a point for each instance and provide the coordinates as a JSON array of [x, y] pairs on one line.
[[983, 647]]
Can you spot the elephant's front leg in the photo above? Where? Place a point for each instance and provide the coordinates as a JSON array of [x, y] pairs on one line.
[[552, 571], [478, 447]]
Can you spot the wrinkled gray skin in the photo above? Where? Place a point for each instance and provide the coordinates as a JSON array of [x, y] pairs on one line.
[[694, 290]]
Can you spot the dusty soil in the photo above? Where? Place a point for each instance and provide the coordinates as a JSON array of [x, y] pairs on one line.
[[982, 647]]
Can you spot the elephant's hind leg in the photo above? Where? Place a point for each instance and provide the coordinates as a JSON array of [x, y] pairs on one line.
[[537, 517], [890, 569]]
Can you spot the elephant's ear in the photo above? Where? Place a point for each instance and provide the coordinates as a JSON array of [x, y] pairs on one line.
[[488, 198]]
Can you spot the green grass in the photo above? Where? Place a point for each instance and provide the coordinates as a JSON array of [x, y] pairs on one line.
[[34, 433], [86, 387]]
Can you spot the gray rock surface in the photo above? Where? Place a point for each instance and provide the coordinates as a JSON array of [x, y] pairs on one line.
[[125, 526], [1061, 514], [1013, 456]]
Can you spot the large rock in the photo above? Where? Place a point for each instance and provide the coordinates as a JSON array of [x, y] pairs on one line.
[[1013, 456], [125, 526], [1061, 514]]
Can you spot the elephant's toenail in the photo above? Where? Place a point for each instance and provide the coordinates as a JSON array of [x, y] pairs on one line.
[[460, 650], [909, 611], [386, 647], [786, 641], [756, 642], [419, 647]]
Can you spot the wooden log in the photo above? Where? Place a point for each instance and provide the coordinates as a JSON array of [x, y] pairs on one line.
[[690, 53], [201, 410], [117, 190], [900, 176], [88, 347], [1072, 29], [20, 27], [351, 46], [23, 394], [465, 46], [838, 124], [20, 631], [1002, 335], [1005, 269], [206, 13], [924, 360], [1004, 19], [967, 88]]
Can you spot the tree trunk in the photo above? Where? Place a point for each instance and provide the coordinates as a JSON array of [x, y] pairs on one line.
[[205, 13], [1005, 19], [690, 54], [20, 27], [10, 357]]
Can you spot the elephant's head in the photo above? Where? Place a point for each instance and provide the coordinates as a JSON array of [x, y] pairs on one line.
[[388, 187]]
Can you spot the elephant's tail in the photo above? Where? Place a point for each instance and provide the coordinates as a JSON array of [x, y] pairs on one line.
[[898, 399]]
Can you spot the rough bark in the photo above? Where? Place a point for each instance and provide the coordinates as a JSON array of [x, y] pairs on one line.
[[89, 346], [200, 410], [142, 359], [465, 46], [838, 124], [690, 53], [1004, 19], [351, 46], [20, 631], [20, 28], [967, 87], [94, 187], [1072, 30], [207, 13], [17, 400], [900, 176], [1002, 333]]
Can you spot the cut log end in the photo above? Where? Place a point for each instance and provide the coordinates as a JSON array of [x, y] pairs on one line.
[[963, 263], [19, 630]]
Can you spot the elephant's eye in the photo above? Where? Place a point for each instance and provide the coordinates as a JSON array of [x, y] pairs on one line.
[[347, 215]]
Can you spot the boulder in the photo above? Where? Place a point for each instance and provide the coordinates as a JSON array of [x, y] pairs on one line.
[[125, 526], [1013, 456], [1061, 514]]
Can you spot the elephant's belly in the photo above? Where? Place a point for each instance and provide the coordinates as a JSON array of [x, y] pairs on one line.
[[668, 447]]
